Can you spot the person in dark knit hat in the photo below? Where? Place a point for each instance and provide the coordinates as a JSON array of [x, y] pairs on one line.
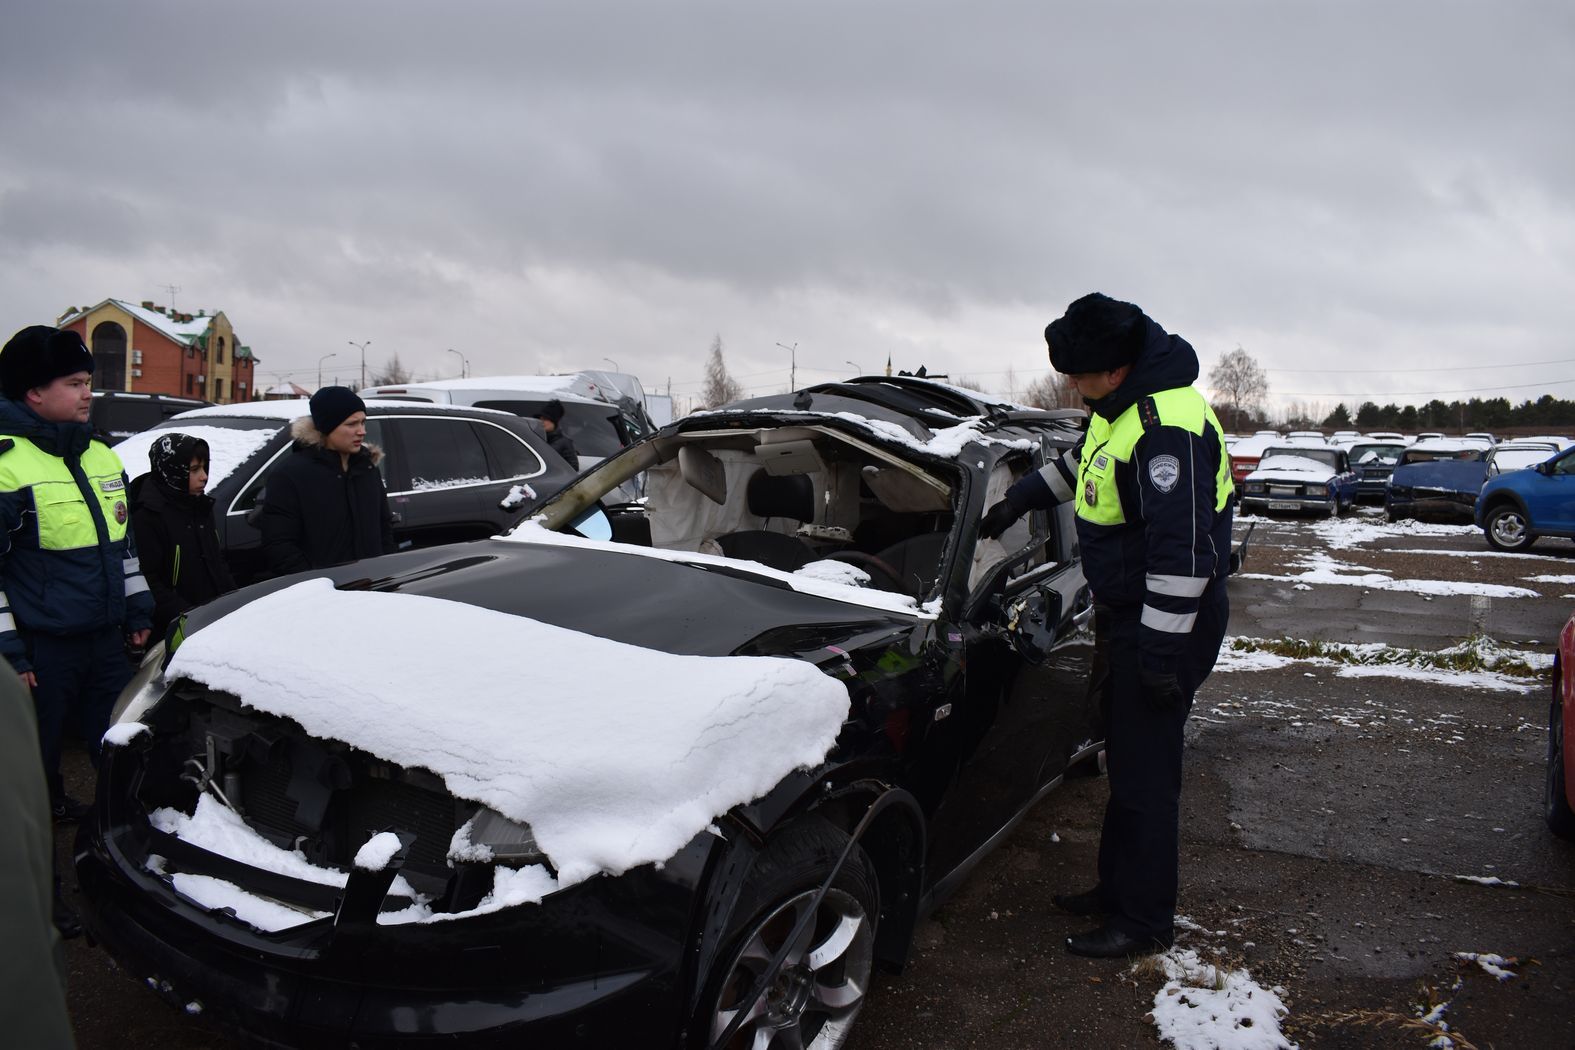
[[325, 504], [72, 598], [551, 418], [1152, 486], [172, 519]]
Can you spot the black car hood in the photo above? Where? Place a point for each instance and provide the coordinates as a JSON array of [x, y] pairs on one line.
[[677, 607]]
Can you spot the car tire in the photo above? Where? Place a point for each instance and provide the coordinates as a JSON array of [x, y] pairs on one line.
[[1507, 529], [814, 1000], [1555, 797]]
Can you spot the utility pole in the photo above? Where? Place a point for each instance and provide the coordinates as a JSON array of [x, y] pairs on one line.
[[320, 361], [464, 365], [362, 347]]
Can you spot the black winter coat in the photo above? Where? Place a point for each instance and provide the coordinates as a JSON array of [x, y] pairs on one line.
[[178, 544], [315, 514]]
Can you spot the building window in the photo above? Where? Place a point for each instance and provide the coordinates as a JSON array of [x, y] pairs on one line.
[[218, 390], [221, 348], [191, 386], [109, 356]]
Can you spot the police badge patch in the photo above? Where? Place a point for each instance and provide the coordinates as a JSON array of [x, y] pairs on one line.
[[120, 512], [1164, 472], [1090, 493]]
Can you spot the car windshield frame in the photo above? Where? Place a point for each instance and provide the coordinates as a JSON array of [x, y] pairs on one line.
[[1324, 457]]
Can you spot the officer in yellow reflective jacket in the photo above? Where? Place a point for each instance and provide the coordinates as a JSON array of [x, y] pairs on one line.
[[72, 597], [1152, 486]]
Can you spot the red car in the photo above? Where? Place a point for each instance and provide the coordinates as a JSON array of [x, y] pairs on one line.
[[1559, 795]]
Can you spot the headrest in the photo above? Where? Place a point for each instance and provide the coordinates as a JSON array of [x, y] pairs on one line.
[[703, 471], [789, 496], [900, 491]]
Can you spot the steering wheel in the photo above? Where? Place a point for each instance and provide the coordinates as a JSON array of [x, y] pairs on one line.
[[869, 561]]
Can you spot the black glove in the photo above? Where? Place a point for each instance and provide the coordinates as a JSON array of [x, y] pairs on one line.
[[998, 519], [1161, 690]]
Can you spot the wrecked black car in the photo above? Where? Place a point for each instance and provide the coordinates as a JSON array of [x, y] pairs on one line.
[[836, 527]]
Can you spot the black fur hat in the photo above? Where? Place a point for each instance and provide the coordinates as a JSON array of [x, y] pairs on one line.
[[1096, 334], [37, 356]]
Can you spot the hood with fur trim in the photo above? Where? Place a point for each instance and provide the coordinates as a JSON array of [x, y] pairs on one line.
[[304, 431]]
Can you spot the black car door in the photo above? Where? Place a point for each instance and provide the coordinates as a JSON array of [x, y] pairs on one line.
[[1023, 703]]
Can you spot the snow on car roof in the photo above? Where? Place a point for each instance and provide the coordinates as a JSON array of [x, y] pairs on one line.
[[228, 448], [287, 410], [610, 770]]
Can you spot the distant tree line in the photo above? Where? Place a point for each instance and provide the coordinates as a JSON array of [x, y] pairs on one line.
[[1494, 413]]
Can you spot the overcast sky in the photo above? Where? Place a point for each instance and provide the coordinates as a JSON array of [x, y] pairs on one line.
[[1381, 195]]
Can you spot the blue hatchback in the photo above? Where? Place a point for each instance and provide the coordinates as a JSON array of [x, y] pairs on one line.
[[1517, 507]]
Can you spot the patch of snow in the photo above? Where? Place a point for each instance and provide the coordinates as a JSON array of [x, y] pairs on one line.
[[835, 572], [1488, 880], [608, 774], [1202, 1007], [122, 733], [517, 496], [377, 851], [1494, 965], [257, 912], [1343, 534], [431, 485], [1380, 582], [228, 448], [1551, 579]]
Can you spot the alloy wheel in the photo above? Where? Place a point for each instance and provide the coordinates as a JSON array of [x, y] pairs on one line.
[[1509, 528], [811, 1002]]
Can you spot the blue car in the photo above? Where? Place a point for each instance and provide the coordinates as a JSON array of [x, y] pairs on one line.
[[1437, 479], [1519, 506]]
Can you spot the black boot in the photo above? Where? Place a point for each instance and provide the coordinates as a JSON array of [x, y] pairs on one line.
[[1107, 942], [65, 916]]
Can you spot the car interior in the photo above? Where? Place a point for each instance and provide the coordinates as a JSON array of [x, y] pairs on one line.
[[783, 497]]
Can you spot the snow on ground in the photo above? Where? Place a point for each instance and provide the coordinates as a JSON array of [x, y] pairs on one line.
[[228, 448], [1494, 965], [1205, 1007], [1551, 579], [1345, 533], [615, 755], [1320, 568], [1374, 660]]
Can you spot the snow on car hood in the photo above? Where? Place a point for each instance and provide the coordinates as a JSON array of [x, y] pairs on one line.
[[228, 448], [615, 755], [1291, 468]]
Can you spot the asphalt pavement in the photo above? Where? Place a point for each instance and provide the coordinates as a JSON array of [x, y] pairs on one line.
[[1341, 838]]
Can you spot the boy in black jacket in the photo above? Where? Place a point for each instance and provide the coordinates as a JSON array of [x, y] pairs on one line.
[[172, 520]]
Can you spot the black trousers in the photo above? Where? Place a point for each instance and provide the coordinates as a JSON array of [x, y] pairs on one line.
[[1139, 845], [79, 678]]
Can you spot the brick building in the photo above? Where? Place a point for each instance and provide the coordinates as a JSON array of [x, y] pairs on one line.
[[148, 349]]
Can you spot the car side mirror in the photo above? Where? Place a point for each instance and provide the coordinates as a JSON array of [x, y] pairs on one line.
[[1032, 621], [1543, 468]]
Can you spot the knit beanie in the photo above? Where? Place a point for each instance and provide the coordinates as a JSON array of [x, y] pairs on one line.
[[37, 356], [333, 405], [552, 411], [1096, 334]]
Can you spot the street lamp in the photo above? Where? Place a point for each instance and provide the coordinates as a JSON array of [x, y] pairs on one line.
[[320, 361], [792, 364], [362, 347], [856, 369], [464, 365], [613, 363]]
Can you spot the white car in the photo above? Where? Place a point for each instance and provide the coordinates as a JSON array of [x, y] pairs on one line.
[[1301, 478]]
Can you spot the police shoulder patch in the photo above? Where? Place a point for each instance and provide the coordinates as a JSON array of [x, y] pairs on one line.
[[1164, 472]]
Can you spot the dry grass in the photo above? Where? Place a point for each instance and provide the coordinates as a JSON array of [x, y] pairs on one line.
[[1476, 653]]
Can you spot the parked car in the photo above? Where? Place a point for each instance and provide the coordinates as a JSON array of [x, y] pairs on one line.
[[1373, 462], [1482, 436], [599, 417], [118, 414], [838, 528], [1558, 794], [446, 469], [1515, 508], [1437, 479], [1246, 452], [1518, 454], [1300, 478]]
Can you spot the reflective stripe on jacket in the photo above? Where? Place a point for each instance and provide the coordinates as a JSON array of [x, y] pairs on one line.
[[67, 562], [1153, 499]]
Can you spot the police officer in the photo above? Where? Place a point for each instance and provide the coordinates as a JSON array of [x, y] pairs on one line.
[[1152, 487], [72, 598]]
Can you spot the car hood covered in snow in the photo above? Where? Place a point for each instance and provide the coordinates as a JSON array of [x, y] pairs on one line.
[[1291, 468]]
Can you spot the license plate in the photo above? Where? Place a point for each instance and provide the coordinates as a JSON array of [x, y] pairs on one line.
[[1280, 504]]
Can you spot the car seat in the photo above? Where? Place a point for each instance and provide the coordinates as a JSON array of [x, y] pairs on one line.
[[790, 496], [916, 561]]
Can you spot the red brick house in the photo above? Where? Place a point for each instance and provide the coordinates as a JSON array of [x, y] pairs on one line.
[[148, 349]]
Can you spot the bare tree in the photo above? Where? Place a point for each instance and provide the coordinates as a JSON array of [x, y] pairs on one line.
[[393, 372], [1053, 390], [1239, 384], [720, 388]]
